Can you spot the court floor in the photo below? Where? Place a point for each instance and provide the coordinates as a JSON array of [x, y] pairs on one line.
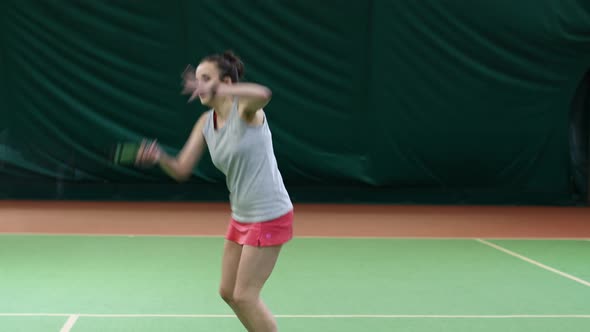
[[393, 280]]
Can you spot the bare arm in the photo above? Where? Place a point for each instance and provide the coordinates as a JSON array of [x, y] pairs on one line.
[[253, 97], [181, 166]]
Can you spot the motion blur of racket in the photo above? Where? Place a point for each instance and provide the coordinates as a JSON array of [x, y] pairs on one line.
[[131, 153]]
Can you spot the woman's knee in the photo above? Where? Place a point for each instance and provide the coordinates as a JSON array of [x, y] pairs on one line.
[[226, 294], [244, 297]]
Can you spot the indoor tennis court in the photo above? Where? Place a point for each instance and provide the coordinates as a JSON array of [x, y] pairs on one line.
[[155, 267], [436, 155]]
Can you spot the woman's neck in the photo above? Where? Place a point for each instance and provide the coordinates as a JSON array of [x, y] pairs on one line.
[[222, 108]]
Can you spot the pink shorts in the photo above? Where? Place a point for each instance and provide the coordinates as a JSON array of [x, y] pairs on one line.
[[262, 234]]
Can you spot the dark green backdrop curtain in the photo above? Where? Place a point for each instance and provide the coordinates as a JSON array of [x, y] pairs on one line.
[[400, 100]]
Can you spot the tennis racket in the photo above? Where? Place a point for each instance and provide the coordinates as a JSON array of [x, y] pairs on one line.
[[133, 153]]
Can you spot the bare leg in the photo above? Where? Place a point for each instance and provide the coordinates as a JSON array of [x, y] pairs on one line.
[[229, 270], [256, 265]]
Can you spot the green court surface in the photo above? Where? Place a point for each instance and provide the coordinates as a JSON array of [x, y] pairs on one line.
[[119, 283]]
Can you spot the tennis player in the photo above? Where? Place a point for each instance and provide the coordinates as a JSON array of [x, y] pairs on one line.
[[236, 132]]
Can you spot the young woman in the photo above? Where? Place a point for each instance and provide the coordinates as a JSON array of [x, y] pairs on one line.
[[236, 132]]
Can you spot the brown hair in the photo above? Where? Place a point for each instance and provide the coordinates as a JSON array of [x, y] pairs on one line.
[[228, 64]]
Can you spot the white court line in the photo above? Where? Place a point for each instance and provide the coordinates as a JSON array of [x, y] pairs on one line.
[[543, 266], [69, 323], [74, 317]]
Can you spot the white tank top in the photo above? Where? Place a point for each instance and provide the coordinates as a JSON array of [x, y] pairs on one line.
[[244, 153]]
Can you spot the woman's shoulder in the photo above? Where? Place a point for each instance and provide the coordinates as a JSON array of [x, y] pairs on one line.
[[203, 120]]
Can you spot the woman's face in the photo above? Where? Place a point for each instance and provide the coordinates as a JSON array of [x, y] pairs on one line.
[[207, 72]]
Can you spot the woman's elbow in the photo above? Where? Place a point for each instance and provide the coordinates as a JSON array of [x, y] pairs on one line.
[[266, 93], [183, 177]]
